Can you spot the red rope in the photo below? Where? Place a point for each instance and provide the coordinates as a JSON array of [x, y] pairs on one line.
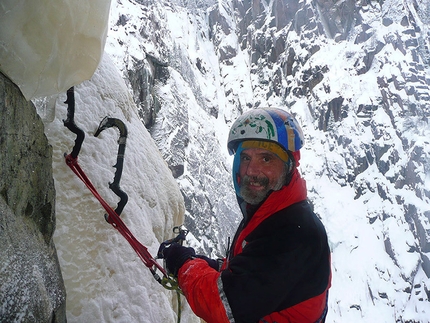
[[114, 219]]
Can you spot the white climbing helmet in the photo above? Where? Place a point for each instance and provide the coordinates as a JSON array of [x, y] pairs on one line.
[[273, 125]]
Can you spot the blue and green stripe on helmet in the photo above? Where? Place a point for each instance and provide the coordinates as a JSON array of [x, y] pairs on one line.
[[274, 125]]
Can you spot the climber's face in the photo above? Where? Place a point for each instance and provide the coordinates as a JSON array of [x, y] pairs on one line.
[[260, 171]]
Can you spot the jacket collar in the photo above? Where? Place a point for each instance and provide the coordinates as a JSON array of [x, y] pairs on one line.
[[290, 194]]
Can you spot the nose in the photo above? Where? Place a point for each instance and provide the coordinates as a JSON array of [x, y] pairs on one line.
[[252, 168]]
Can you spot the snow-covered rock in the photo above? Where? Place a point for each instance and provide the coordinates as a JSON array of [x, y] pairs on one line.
[[355, 74]]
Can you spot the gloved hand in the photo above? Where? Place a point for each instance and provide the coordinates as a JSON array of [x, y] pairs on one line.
[[175, 256]]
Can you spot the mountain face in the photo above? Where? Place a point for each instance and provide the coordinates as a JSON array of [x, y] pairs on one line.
[[355, 73]]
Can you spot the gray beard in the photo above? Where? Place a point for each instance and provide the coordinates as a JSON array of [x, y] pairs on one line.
[[255, 198], [251, 196]]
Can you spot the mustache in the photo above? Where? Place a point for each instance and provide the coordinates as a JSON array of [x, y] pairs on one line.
[[263, 181]]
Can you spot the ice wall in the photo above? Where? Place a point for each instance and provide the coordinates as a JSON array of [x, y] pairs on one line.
[[104, 278], [46, 46]]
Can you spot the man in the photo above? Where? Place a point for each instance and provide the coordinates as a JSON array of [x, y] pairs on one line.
[[278, 267]]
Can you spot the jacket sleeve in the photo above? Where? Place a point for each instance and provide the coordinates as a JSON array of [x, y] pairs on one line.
[[199, 283]]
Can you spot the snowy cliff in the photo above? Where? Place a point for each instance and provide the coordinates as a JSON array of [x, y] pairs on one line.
[[357, 76]]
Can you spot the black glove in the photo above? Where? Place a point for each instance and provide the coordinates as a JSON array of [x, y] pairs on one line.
[[175, 256]]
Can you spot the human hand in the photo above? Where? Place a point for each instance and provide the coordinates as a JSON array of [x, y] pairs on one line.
[[175, 256]]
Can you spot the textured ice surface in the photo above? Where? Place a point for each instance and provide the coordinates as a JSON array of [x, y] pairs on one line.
[[46, 46]]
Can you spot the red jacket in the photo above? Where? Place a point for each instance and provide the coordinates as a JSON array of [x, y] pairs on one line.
[[278, 269]]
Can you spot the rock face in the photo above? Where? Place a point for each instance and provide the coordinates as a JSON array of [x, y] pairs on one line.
[[31, 285]]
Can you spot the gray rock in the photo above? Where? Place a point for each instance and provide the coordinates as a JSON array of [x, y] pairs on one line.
[[31, 285]]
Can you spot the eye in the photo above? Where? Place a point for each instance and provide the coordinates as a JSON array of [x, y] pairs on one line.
[[244, 157], [267, 158]]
